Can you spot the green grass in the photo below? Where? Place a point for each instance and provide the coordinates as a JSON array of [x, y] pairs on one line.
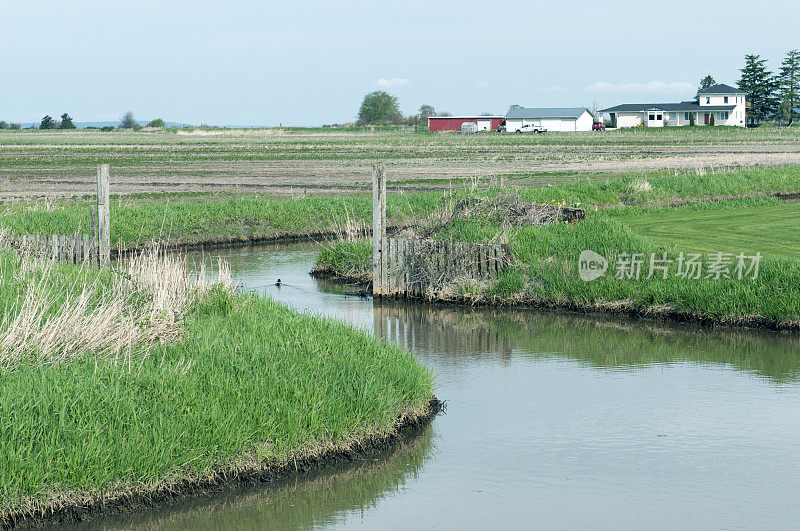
[[250, 379], [208, 221], [766, 226], [546, 258], [549, 256], [351, 259], [192, 219]]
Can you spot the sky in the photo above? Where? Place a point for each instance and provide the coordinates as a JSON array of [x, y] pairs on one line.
[[304, 63]]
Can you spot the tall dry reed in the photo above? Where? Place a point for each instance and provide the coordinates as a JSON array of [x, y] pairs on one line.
[[60, 317]]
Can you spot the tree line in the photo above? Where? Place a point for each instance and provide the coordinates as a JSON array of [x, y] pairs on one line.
[[127, 121]]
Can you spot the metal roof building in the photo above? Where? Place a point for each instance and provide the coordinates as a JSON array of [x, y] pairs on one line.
[[550, 118]]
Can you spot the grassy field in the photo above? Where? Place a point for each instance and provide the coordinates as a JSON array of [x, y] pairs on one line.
[[242, 384], [545, 269], [196, 219], [768, 227], [300, 162]]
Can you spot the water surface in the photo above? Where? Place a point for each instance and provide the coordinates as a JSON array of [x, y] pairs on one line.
[[553, 421]]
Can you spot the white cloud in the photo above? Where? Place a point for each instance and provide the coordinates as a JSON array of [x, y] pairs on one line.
[[555, 88], [482, 84], [661, 87], [393, 82]]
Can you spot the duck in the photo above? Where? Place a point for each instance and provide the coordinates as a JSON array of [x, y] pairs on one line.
[[279, 283]]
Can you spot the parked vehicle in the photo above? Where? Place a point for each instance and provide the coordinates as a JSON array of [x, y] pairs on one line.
[[530, 128], [598, 126], [501, 128]]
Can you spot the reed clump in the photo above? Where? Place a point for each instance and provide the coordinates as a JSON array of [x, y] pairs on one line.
[[55, 314]]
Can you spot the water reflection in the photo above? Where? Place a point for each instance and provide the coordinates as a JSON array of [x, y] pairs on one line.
[[313, 500], [601, 342]]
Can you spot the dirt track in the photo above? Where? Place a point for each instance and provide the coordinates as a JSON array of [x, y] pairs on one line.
[[47, 164]]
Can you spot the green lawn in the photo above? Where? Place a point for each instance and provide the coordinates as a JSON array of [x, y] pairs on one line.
[[771, 228]]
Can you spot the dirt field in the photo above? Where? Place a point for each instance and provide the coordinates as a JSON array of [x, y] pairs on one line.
[[277, 162]]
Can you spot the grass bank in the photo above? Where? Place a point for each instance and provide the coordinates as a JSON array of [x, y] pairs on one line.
[[217, 388], [545, 270], [191, 220]]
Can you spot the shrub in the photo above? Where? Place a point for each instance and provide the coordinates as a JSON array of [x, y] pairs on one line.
[[158, 122], [107, 128]]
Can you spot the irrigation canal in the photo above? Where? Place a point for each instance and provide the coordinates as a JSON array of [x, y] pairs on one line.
[[553, 421]]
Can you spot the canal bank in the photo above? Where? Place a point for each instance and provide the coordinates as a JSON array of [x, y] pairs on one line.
[[135, 386], [556, 421], [725, 272]]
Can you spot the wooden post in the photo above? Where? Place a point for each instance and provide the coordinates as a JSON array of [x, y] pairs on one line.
[[103, 216], [379, 257]]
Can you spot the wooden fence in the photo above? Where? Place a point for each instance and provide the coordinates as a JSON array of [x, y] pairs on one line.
[[414, 268], [93, 248], [77, 249]]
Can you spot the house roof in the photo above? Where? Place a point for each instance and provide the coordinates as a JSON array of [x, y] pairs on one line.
[[721, 88], [684, 106], [553, 112]]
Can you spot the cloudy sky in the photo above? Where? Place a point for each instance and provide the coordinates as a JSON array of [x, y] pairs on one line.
[[257, 62]]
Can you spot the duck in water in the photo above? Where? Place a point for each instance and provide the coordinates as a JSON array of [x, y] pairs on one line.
[[279, 283]]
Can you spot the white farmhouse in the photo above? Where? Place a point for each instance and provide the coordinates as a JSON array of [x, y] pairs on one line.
[[552, 119], [724, 103]]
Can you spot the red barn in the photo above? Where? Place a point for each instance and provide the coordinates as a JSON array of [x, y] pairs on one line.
[[453, 123]]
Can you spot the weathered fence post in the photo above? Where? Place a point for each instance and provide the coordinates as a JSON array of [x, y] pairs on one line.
[[378, 229], [103, 216]]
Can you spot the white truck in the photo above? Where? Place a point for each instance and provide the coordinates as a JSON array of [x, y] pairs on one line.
[[531, 128]]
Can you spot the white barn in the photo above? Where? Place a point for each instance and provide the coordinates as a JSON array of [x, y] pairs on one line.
[[552, 119], [725, 104]]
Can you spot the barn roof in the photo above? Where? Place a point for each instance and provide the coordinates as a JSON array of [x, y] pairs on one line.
[[721, 88], [545, 112]]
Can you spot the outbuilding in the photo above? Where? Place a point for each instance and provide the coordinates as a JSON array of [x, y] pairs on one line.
[[552, 119], [454, 123]]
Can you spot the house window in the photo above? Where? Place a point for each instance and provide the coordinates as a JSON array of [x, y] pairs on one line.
[[659, 117], [686, 116], [708, 100], [726, 99], [651, 117], [723, 115]]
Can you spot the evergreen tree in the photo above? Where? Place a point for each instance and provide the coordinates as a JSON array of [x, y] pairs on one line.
[[788, 88], [66, 122], [706, 82], [691, 119], [757, 82], [47, 123]]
